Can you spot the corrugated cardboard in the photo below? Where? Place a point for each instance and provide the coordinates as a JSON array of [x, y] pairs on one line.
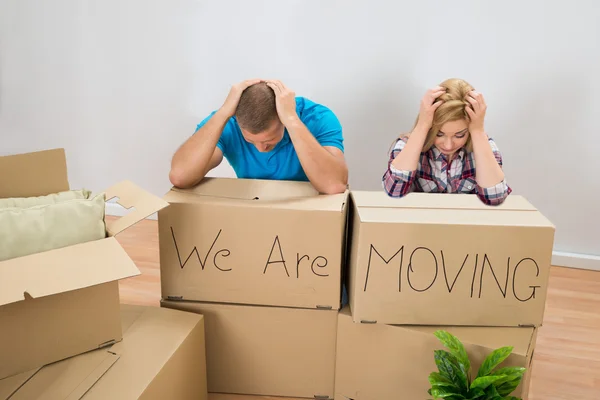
[[435, 259], [269, 351], [161, 357], [253, 241], [63, 302], [389, 362]]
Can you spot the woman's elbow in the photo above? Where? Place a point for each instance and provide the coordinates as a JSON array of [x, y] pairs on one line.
[[393, 189], [494, 201]]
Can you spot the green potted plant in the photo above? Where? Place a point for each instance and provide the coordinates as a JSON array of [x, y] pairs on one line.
[[453, 379]]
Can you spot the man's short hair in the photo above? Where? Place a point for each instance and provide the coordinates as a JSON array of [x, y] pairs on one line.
[[256, 110]]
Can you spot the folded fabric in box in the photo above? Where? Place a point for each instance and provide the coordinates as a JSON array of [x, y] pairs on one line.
[[30, 230], [26, 202]]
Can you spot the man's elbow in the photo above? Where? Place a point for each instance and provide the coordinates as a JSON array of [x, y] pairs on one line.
[[335, 188], [179, 179]]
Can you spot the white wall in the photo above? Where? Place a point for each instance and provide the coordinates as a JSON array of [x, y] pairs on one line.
[[120, 84]]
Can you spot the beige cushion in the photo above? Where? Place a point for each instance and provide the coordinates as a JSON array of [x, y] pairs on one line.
[[25, 231], [26, 202]]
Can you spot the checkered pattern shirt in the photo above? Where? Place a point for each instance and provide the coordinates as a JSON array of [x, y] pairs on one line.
[[434, 175]]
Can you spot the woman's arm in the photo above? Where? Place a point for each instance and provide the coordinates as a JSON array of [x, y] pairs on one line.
[[490, 178], [404, 159]]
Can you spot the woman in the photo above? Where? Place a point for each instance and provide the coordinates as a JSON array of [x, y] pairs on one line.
[[448, 150]]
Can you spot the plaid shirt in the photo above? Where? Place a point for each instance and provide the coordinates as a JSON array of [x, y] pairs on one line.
[[434, 175]]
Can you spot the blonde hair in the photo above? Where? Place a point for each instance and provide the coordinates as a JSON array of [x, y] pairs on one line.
[[453, 108]]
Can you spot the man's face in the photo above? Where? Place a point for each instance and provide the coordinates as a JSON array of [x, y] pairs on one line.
[[267, 140]]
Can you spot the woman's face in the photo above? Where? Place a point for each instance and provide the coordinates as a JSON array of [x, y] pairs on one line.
[[452, 137]]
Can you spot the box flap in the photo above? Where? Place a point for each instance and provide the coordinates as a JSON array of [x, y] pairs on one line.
[[251, 189], [69, 379], [314, 203], [489, 336], [380, 199], [62, 270], [436, 208], [395, 215], [33, 174], [8, 386], [257, 193], [131, 195]]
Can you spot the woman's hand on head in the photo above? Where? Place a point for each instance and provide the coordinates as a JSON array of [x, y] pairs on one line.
[[428, 106], [476, 112]]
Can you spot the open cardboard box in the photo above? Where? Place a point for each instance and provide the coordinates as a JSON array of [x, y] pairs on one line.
[[59, 303], [389, 362], [249, 241], [434, 259], [161, 357]]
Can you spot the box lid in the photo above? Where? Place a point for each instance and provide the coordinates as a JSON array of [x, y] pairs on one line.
[[379, 199], [258, 193], [61, 270], [151, 335], [131, 196], [433, 208], [521, 338], [33, 174]]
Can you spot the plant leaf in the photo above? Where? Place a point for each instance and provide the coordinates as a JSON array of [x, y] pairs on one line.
[[510, 379], [484, 381], [511, 398], [491, 394], [456, 349], [443, 393], [508, 387], [450, 369], [494, 359], [435, 378], [509, 371], [476, 394]]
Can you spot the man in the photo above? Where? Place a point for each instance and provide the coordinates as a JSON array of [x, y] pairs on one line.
[[266, 132]]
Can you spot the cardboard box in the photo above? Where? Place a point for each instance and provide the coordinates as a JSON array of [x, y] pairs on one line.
[[270, 351], [435, 259], [389, 362], [161, 357], [63, 302], [248, 241]]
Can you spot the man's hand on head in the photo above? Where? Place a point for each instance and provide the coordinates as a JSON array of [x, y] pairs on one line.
[[233, 98], [285, 100]]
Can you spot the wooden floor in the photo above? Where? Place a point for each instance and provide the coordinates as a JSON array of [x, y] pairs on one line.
[[567, 358]]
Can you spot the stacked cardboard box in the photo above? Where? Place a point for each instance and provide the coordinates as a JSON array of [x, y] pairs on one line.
[[428, 262], [62, 325], [262, 261]]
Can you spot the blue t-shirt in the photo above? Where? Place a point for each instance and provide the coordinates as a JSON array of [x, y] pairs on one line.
[[280, 163]]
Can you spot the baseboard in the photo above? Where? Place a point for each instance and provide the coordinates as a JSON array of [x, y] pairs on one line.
[[576, 260], [117, 210], [559, 258]]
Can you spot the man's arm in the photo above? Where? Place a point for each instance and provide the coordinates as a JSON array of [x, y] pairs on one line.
[[199, 154], [325, 166]]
